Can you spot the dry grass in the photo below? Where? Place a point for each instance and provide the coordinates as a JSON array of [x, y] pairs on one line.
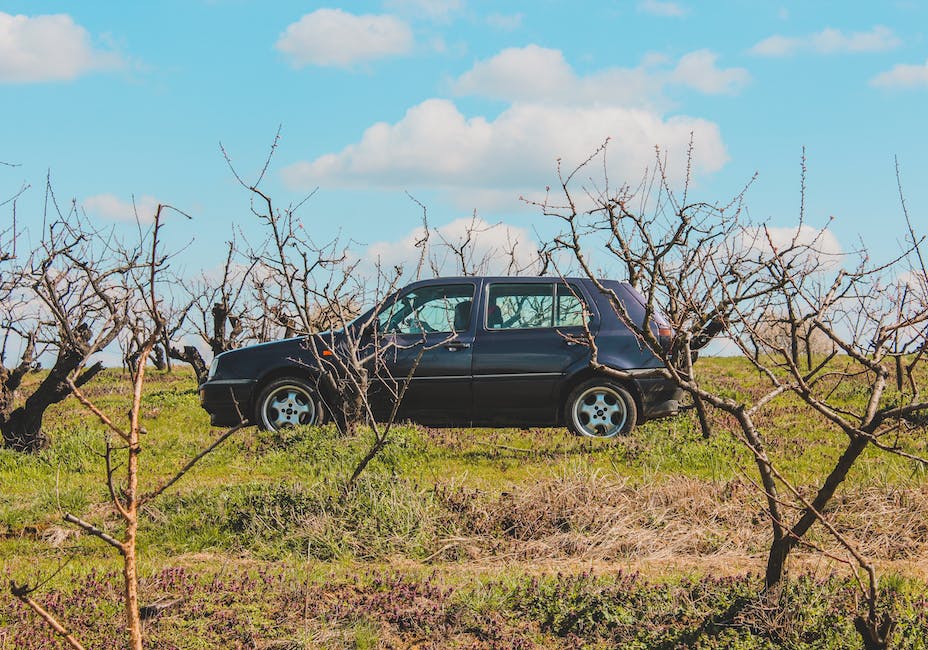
[[594, 518]]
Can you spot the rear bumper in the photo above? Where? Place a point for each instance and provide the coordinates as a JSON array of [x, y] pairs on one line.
[[228, 402], [659, 397]]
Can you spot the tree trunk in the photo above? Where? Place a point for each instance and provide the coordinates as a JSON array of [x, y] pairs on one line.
[[793, 334], [131, 515], [157, 358], [776, 560], [22, 429], [876, 632], [192, 356], [218, 343], [165, 348], [781, 547], [703, 415], [130, 560]]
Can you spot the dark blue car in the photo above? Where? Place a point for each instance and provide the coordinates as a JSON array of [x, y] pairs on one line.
[[478, 351]]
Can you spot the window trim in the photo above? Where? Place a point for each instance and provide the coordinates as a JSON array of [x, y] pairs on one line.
[[575, 290], [408, 290]]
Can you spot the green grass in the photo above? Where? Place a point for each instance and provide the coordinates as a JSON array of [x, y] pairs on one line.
[[473, 525]]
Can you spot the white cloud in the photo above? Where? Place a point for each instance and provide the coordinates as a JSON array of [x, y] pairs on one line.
[[538, 74], [698, 71], [914, 281], [776, 45], [812, 248], [529, 73], [829, 41], [111, 207], [48, 48], [553, 115], [435, 145], [658, 8], [332, 37], [505, 22], [439, 10], [487, 250], [822, 241], [903, 75]]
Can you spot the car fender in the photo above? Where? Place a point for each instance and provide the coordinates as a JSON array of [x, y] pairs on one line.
[[581, 372]]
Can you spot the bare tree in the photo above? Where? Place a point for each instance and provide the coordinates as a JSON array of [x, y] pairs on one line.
[[364, 367], [473, 247], [223, 313], [303, 287], [290, 264], [351, 359], [123, 443], [68, 299], [803, 341], [319, 291], [712, 272]]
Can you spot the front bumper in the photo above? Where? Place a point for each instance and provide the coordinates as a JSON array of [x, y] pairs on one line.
[[228, 401]]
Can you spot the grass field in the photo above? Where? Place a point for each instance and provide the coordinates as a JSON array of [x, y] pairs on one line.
[[455, 538]]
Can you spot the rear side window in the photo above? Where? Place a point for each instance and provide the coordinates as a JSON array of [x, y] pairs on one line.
[[533, 306], [568, 307]]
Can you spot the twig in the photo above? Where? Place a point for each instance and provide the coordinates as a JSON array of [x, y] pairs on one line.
[[193, 461], [22, 593], [90, 529]]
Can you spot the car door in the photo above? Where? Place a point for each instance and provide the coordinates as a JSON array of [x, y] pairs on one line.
[[521, 354], [426, 336]]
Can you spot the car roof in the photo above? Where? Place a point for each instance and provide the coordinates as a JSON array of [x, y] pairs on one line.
[[503, 278]]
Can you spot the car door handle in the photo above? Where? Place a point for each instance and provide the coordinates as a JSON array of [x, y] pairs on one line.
[[454, 346]]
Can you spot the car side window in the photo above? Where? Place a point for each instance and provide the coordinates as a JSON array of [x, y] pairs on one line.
[[531, 306], [441, 308], [569, 310]]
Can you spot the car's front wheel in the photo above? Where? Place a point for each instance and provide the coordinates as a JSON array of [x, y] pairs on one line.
[[287, 402], [600, 408]]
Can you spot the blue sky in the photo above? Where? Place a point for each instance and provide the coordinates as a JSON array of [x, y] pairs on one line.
[[464, 104]]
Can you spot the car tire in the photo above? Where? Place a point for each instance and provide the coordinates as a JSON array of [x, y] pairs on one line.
[[600, 408], [287, 402]]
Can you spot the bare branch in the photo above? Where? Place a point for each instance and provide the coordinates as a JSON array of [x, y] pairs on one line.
[[22, 593], [90, 529], [187, 467]]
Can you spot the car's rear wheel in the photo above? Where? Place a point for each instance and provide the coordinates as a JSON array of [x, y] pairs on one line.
[[287, 402], [600, 408]]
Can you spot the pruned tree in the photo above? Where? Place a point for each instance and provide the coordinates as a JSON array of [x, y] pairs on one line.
[[472, 246], [223, 312], [290, 267], [350, 358], [319, 291], [364, 368], [123, 442], [803, 341], [704, 270], [67, 299], [303, 287]]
